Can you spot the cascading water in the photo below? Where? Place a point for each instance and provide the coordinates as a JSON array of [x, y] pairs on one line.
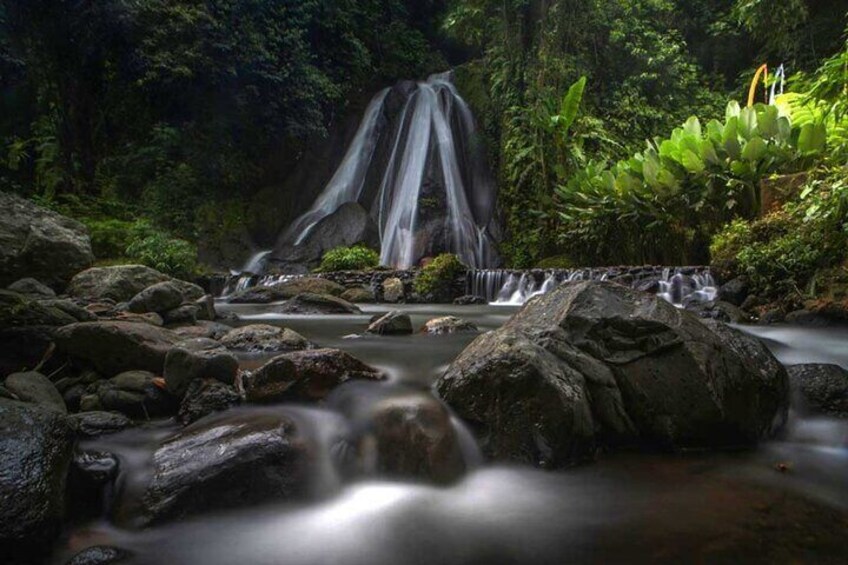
[[417, 165]]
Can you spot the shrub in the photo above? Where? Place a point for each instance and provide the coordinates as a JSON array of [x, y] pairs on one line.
[[151, 247], [436, 280], [556, 262], [110, 237], [356, 258]]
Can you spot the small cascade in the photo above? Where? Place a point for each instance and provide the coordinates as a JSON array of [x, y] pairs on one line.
[[256, 264], [239, 282], [681, 287]]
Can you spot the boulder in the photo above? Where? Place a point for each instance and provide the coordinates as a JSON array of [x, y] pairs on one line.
[[735, 291], [137, 394], [414, 438], [159, 297], [39, 243], [358, 296], [36, 388], [36, 447], [16, 310], [448, 325], [807, 319], [392, 323], [469, 300], [151, 318], [119, 283], [823, 389], [317, 304], [305, 376], [184, 315], [260, 338], [598, 364], [224, 461], [70, 308], [393, 290], [96, 424], [287, 290], [100, 555], [32, 288], [198, 358], [115, 347], [206, 308], [191, 292], [204, 397]]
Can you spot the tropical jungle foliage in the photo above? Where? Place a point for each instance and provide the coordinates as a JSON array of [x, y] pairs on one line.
[[353, 258]]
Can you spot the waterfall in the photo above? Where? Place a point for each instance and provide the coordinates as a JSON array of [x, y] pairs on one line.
[[416, 144], [349, 179], [256, 264]]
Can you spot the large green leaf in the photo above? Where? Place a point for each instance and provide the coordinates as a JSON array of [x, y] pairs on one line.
[[692, 162], [733, 110], [708, 153], [767, 119], [748, 123], [693, 127], [812, 139], [571, 104], [730, 140], [755, 149]]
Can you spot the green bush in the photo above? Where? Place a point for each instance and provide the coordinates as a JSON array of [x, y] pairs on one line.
[[356, 258], [110, 237], [556, 262], [435, 281], [151, 247]]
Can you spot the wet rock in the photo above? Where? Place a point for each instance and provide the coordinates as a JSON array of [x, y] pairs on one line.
[[393, 290], [191, 292], [158, 298], [414, 438], [204, 397], [186, 314], [597, 364], [16, 310], [230, 460], [115, 347], [287, 290], [358, 296], [100, 555], [198, 358], [32, 288], [38, 243], [35, 453], [119, 283], [71, 308], [137, 394], [735, 291], [203, 328], [260, 338], [318, 304], [823, 389], [305, 376], [469, 300], [96, 424], [720, 311], [37, 389], [448, 325], [206, 308], [807, 319], [392, 323]]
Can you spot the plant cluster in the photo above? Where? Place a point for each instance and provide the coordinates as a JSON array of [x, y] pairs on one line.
[[356, 258], [437, 278], [662, 205]]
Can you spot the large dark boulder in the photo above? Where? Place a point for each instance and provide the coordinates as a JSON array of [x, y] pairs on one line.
[[349, 225], [287, 290], [198, 358], [36, 388], [32, 288], [159, 298], [822, 389], [305, 376], [233, 459], [306, 304], [598, 364], [137, 394], [36, 447], [204, 397], [119, 283], [39, 243], [392, 323], [115, 347]]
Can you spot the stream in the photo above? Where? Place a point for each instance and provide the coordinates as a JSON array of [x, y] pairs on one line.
[[785, 501]]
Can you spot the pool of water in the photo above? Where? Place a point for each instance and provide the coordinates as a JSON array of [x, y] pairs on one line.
[[786, 501]]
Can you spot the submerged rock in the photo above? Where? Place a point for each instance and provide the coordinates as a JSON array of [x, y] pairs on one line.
[[392, 323], [305, 376], [115, 347], [204, 397], [823, 389], [448, 325], [231, 460], [318, 304], [595, 364], [261, 338], [96, 424], [35, 453], [287, 290], [38, 243]]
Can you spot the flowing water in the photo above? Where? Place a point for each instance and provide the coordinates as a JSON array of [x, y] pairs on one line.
[[625, 508]]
